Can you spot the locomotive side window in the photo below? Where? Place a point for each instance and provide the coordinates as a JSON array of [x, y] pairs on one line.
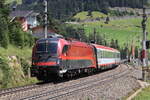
[[65, 49]]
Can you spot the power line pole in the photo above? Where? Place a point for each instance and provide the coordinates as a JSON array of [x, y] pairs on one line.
[[144, 54], [95, 40], [45, 18]]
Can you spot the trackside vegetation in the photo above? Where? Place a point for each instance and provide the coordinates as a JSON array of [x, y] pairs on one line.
[[15, 51], [144, 95], [12, 73]]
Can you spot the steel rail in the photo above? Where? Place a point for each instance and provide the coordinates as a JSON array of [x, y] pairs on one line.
[[82, 86]]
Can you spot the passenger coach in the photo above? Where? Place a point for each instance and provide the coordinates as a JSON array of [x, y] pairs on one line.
[[106, 57]]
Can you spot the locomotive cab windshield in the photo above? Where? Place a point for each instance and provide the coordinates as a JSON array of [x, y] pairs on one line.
[[47, 47]]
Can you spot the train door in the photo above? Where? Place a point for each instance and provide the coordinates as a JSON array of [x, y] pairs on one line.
[[96, 56], [65, 53]]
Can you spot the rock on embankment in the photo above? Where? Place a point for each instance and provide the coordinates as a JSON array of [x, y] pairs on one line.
[[13, 72]]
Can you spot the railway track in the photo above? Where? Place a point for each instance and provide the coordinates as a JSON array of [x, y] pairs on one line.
[[11, 91], [62, 91], [69, 90], [16, 89]]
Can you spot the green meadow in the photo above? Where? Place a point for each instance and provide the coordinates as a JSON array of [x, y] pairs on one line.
[[14, 51], [126, 31], [144, 95], [84, 15], [17, 1]]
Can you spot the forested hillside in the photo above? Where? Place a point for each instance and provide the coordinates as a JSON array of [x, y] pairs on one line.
[[64, 8]]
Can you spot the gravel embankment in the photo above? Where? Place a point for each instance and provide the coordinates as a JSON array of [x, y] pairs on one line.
[[113, 90]]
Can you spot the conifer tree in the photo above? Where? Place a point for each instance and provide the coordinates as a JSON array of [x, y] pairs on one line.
[[17, 35], [4, 37], [4, 31], [112, 43]]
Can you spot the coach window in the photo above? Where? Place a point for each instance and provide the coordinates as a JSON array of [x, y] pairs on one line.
[[99, 54], [113, 55], [107, 54], [102, 54], [110, 54], [118, 55]]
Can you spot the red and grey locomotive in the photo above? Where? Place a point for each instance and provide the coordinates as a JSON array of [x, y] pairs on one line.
[[57, 57]]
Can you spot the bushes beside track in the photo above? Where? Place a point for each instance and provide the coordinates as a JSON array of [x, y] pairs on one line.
[[14, 67]]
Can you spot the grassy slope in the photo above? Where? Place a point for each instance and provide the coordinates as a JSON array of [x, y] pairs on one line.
[[96, 14], [83, 15], [10, 1], [144, 95], [12, 75], [125, 31], [13, 51]]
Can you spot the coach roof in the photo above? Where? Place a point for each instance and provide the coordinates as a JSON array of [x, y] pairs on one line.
[[105, 48]]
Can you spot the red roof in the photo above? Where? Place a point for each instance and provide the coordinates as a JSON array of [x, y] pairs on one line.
[[41, 28]]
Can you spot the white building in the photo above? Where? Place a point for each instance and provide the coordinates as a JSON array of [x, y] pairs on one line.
[[29, 17]]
